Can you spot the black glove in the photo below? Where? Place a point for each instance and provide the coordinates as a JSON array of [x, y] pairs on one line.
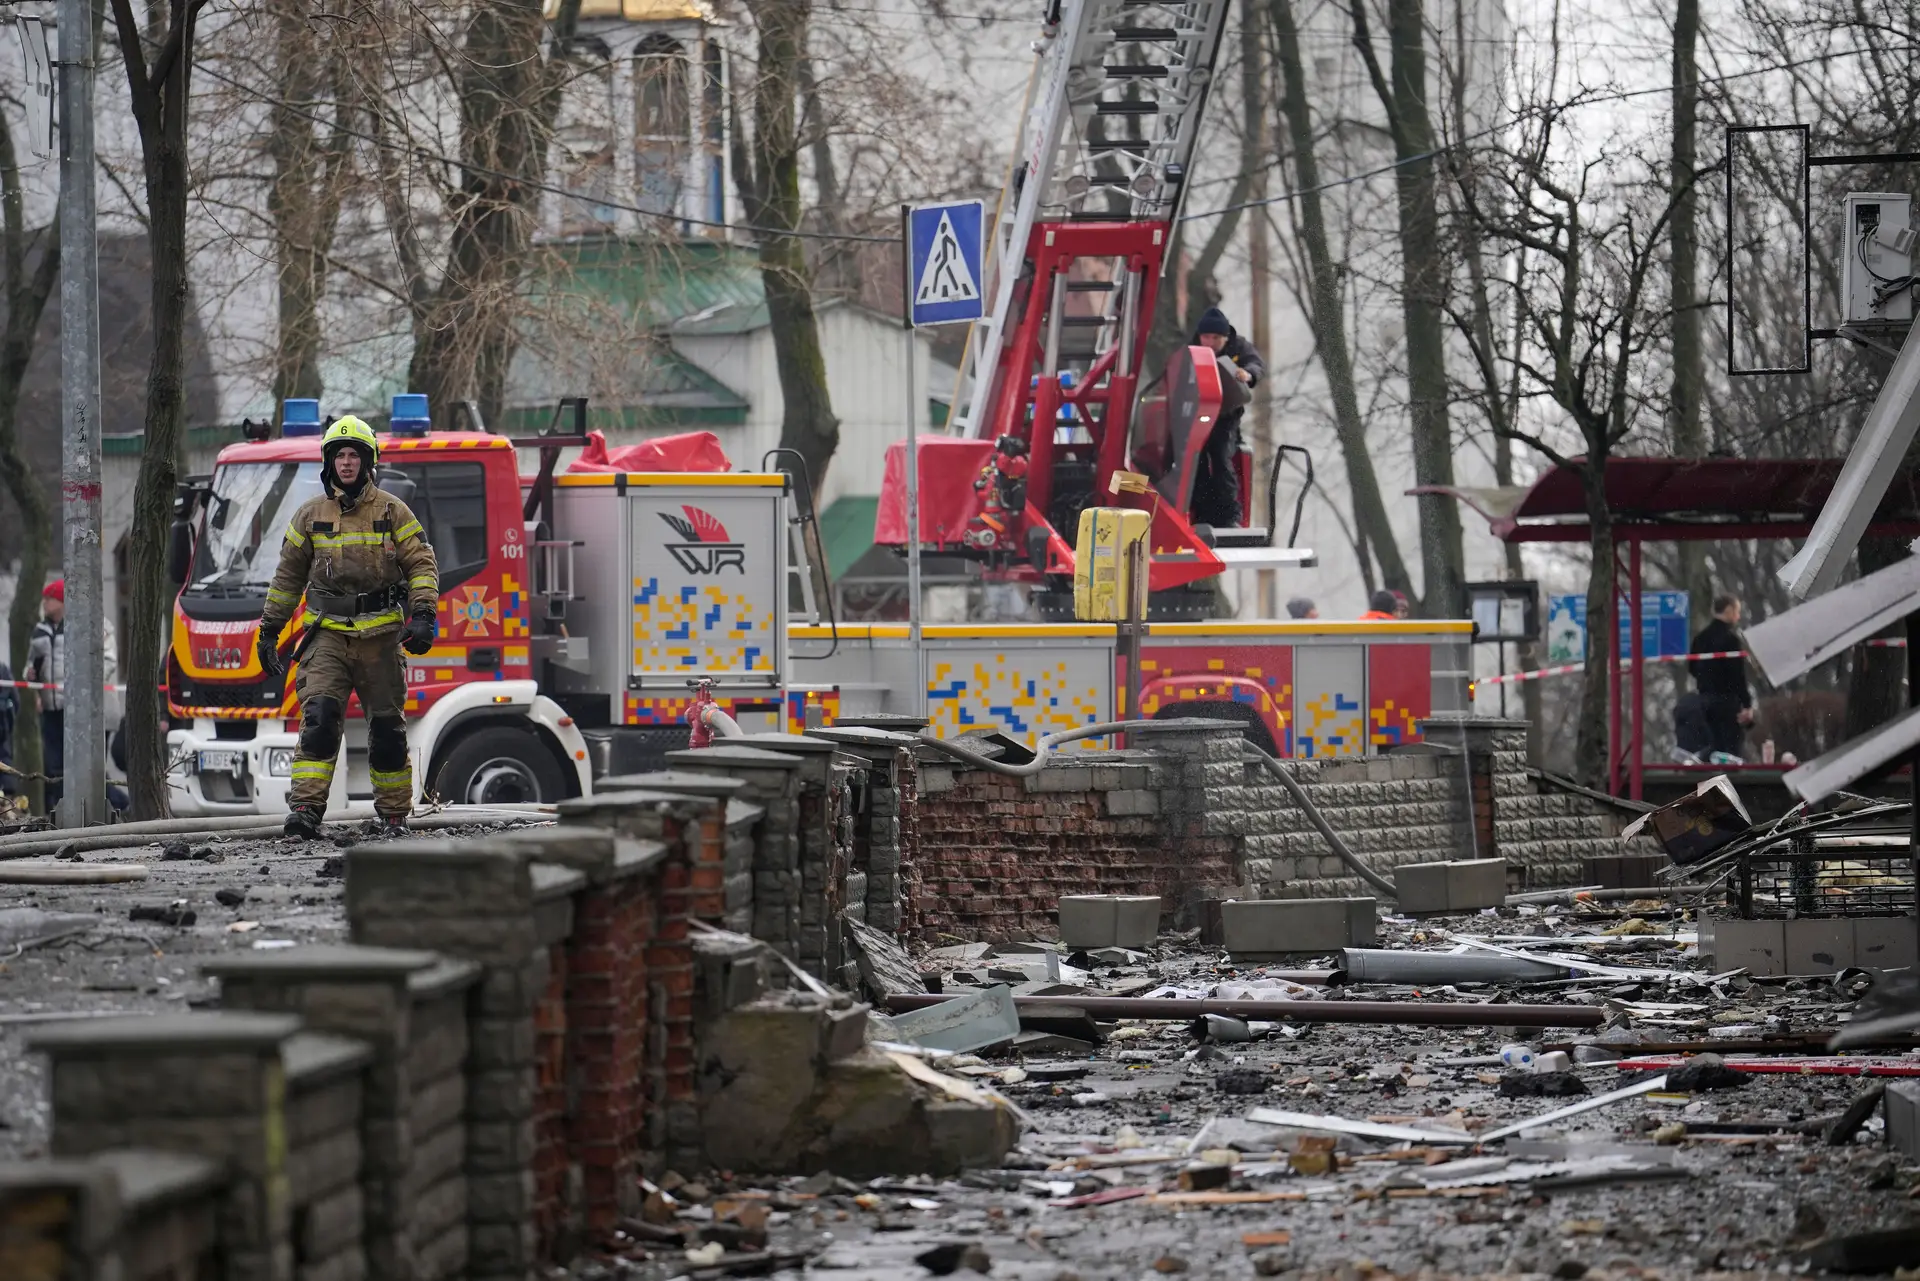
[[420, 632], [268, 647]]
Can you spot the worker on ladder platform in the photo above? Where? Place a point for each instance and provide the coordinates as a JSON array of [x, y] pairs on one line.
[[1216, 485], [360, 558]]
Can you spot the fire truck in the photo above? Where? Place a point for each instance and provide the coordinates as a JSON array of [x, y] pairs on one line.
[[578, 610]]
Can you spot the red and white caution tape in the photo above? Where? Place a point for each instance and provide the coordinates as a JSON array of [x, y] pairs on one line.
[[115, 689], [1540, 673]]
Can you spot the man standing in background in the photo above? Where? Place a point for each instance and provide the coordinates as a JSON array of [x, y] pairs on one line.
[[1722, 682], [47, 665]]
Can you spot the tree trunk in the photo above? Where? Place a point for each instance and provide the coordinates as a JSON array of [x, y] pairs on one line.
[[1688, 434], [1424, 267], [303, 200], [160, 107], [26, 298], [807, 424], [1603, 632], [1329, 327], [509, 96]]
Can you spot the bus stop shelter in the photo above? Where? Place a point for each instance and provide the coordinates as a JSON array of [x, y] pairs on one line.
[[1671, 500]]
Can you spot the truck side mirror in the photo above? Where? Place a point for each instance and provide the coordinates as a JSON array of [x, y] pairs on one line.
[[180, 550]]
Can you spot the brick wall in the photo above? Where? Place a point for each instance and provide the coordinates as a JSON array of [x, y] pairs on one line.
[[992, 854]]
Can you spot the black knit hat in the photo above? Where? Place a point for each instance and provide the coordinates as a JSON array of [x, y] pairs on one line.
[[1213, 321]]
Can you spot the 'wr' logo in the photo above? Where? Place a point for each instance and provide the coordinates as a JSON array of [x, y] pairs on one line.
[[705, 547]]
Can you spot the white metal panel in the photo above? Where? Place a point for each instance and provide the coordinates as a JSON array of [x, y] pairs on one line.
[[708, 585]]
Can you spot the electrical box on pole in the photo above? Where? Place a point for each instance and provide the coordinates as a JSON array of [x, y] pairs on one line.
[[1876, 273]]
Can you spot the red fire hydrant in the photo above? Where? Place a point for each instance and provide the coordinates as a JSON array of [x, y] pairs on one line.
[[698, 734]]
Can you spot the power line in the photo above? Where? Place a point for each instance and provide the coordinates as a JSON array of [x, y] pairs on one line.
[[520, 180], [851, 237], [1522, 117]]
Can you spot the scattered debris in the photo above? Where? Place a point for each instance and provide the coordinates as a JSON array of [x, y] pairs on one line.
[[885, 967], [970, 1022], [1243, 1081], [949, 1257], [176, 913], [1706, 819], [71, 873], [1705, 1072], [1542, 1085]]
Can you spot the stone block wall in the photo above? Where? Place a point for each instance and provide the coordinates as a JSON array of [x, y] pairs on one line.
[[1188, 814], [324, 1100], [1463, 793], [126, 1215]]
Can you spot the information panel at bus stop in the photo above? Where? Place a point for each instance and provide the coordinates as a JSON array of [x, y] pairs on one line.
[[1663, 626]]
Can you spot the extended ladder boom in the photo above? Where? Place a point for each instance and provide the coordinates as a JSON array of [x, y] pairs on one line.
[[1119, 97]]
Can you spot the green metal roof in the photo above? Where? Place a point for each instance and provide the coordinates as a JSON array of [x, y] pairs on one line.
[[693, 286], [846, 530], [129, 445]]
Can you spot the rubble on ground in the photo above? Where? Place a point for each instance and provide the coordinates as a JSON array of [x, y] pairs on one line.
[[1214, 1146]]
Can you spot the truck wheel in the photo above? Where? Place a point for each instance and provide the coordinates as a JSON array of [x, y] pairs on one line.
[[500, 765]]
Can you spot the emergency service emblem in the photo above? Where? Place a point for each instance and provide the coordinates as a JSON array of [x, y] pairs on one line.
[[476, 611], [705, 547]]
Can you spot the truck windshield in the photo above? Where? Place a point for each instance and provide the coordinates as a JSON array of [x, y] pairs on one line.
[[246, 523]]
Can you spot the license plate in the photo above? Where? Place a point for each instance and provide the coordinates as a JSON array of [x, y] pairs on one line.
[[234, 763]]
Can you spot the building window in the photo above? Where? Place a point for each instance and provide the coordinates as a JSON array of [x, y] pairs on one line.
[[663, 123], [584, 136]]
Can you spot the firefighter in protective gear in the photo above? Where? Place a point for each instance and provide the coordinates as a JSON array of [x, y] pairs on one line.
[[364, 565]]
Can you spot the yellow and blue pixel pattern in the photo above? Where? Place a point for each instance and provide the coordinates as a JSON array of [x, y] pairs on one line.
[[694, 628], [1331, 725], [995, 696]]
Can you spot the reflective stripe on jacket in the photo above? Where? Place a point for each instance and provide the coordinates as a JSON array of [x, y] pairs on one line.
[[373, 547]]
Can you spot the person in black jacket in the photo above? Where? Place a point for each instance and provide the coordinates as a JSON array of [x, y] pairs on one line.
[[1216, 489], [1722, 682]]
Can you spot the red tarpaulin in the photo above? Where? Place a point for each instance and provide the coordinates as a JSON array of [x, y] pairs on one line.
[[689, 451], [948, 467]]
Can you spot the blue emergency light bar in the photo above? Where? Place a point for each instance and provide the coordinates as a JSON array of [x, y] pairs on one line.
[[300, 417], [410, 416]]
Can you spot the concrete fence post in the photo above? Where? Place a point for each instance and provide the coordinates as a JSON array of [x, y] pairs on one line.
[[208, 1083], [361, 992]]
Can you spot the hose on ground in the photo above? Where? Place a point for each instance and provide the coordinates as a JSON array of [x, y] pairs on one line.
[[1042, 750], [116, 836], [1319, 821]]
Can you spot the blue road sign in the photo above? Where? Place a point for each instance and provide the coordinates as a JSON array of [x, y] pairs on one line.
[[1663, 626], [944, 272]]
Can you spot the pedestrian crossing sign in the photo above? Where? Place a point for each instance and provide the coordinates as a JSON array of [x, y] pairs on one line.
[[944, 273]]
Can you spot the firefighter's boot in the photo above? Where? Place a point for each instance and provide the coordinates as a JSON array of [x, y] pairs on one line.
[[303, 821]]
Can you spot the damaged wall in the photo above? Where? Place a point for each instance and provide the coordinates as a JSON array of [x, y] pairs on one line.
[[1187, 816]]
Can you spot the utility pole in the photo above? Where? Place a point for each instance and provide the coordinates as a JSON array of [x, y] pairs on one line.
[[84, 781], [1253, 84]]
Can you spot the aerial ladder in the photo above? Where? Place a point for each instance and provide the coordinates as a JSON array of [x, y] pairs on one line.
[[1077, 250]]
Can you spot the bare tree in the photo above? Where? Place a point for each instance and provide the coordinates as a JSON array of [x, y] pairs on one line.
[[1425, 278], [29, 268], [508, 96], [1589, 328], [766, 168], [1325, 308], [158, 84], [303, 200]]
